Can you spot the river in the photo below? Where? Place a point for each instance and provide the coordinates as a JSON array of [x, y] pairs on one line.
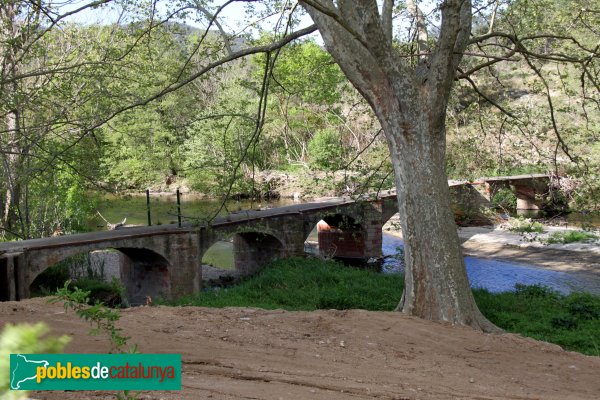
[[163, 209], [500, 275], [491, 274]]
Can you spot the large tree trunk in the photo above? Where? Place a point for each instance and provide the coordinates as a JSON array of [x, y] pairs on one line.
[[436, 283], [410, 104]]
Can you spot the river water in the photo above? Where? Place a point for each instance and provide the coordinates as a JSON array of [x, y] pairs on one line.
[[493, 275], [500, 275]]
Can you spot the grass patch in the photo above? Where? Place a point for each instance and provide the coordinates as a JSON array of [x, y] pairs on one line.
[[571, 237], [307, 284], [525, 225], [571, 321]]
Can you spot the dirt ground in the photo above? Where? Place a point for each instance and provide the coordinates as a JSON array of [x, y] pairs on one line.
[[242, 353]]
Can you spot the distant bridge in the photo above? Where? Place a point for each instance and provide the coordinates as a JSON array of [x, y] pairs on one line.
[[165, 261]]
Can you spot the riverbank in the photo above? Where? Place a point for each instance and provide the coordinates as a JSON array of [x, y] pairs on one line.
[[498, 243], [302, 184], [241, 353]]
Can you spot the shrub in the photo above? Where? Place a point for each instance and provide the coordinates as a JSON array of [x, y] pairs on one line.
[[325, 150], [111, 294], [24, 339], [571, 237], [534, 292], [505, 199], [86, 275], [583, 305], [51, 279], [525, 225]]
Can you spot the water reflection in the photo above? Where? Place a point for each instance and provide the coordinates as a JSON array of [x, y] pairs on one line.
[[163, 209], [501, 276]]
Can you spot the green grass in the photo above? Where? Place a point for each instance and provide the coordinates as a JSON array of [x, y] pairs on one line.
[[308, 284], [571, 237], [572, 321]]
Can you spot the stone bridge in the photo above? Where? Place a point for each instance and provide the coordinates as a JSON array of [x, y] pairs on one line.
[[165, 261], [529, 189]]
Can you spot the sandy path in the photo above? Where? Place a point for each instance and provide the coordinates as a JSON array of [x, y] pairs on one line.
[[240, 353]]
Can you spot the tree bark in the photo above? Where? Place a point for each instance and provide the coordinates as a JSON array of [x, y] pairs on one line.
[[411, 107], [9, 34]]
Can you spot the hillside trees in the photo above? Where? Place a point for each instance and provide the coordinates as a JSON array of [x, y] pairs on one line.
[[309, 100], [60, 83], [40, 135], [142, 146], [314, 106], [533, 105]]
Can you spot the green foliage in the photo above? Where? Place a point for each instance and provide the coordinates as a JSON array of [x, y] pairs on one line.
[[88, 277], [50, 280], [571, 321], [505, 199], [571, 237], [307, 284], [325, 150], [59, 201], [583, 306], [24, 339], [103, 319], [99, 315], [306, 70], [112, 294], [525, 225]]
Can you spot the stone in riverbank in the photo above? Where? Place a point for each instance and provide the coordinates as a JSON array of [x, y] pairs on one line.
[[212, 276]]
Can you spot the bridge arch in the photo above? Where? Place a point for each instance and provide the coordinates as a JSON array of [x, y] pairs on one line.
[[142, 271], [145, 273], [253, 250], [338, 234], [252, 247]]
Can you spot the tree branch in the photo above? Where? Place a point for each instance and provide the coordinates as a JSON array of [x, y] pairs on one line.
[[387, 10], [421, 26]]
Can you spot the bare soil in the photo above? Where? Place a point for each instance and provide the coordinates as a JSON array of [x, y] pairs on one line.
[[243, 353]]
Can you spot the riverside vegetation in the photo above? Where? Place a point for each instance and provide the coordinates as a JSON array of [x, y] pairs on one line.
[[571, 321]]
